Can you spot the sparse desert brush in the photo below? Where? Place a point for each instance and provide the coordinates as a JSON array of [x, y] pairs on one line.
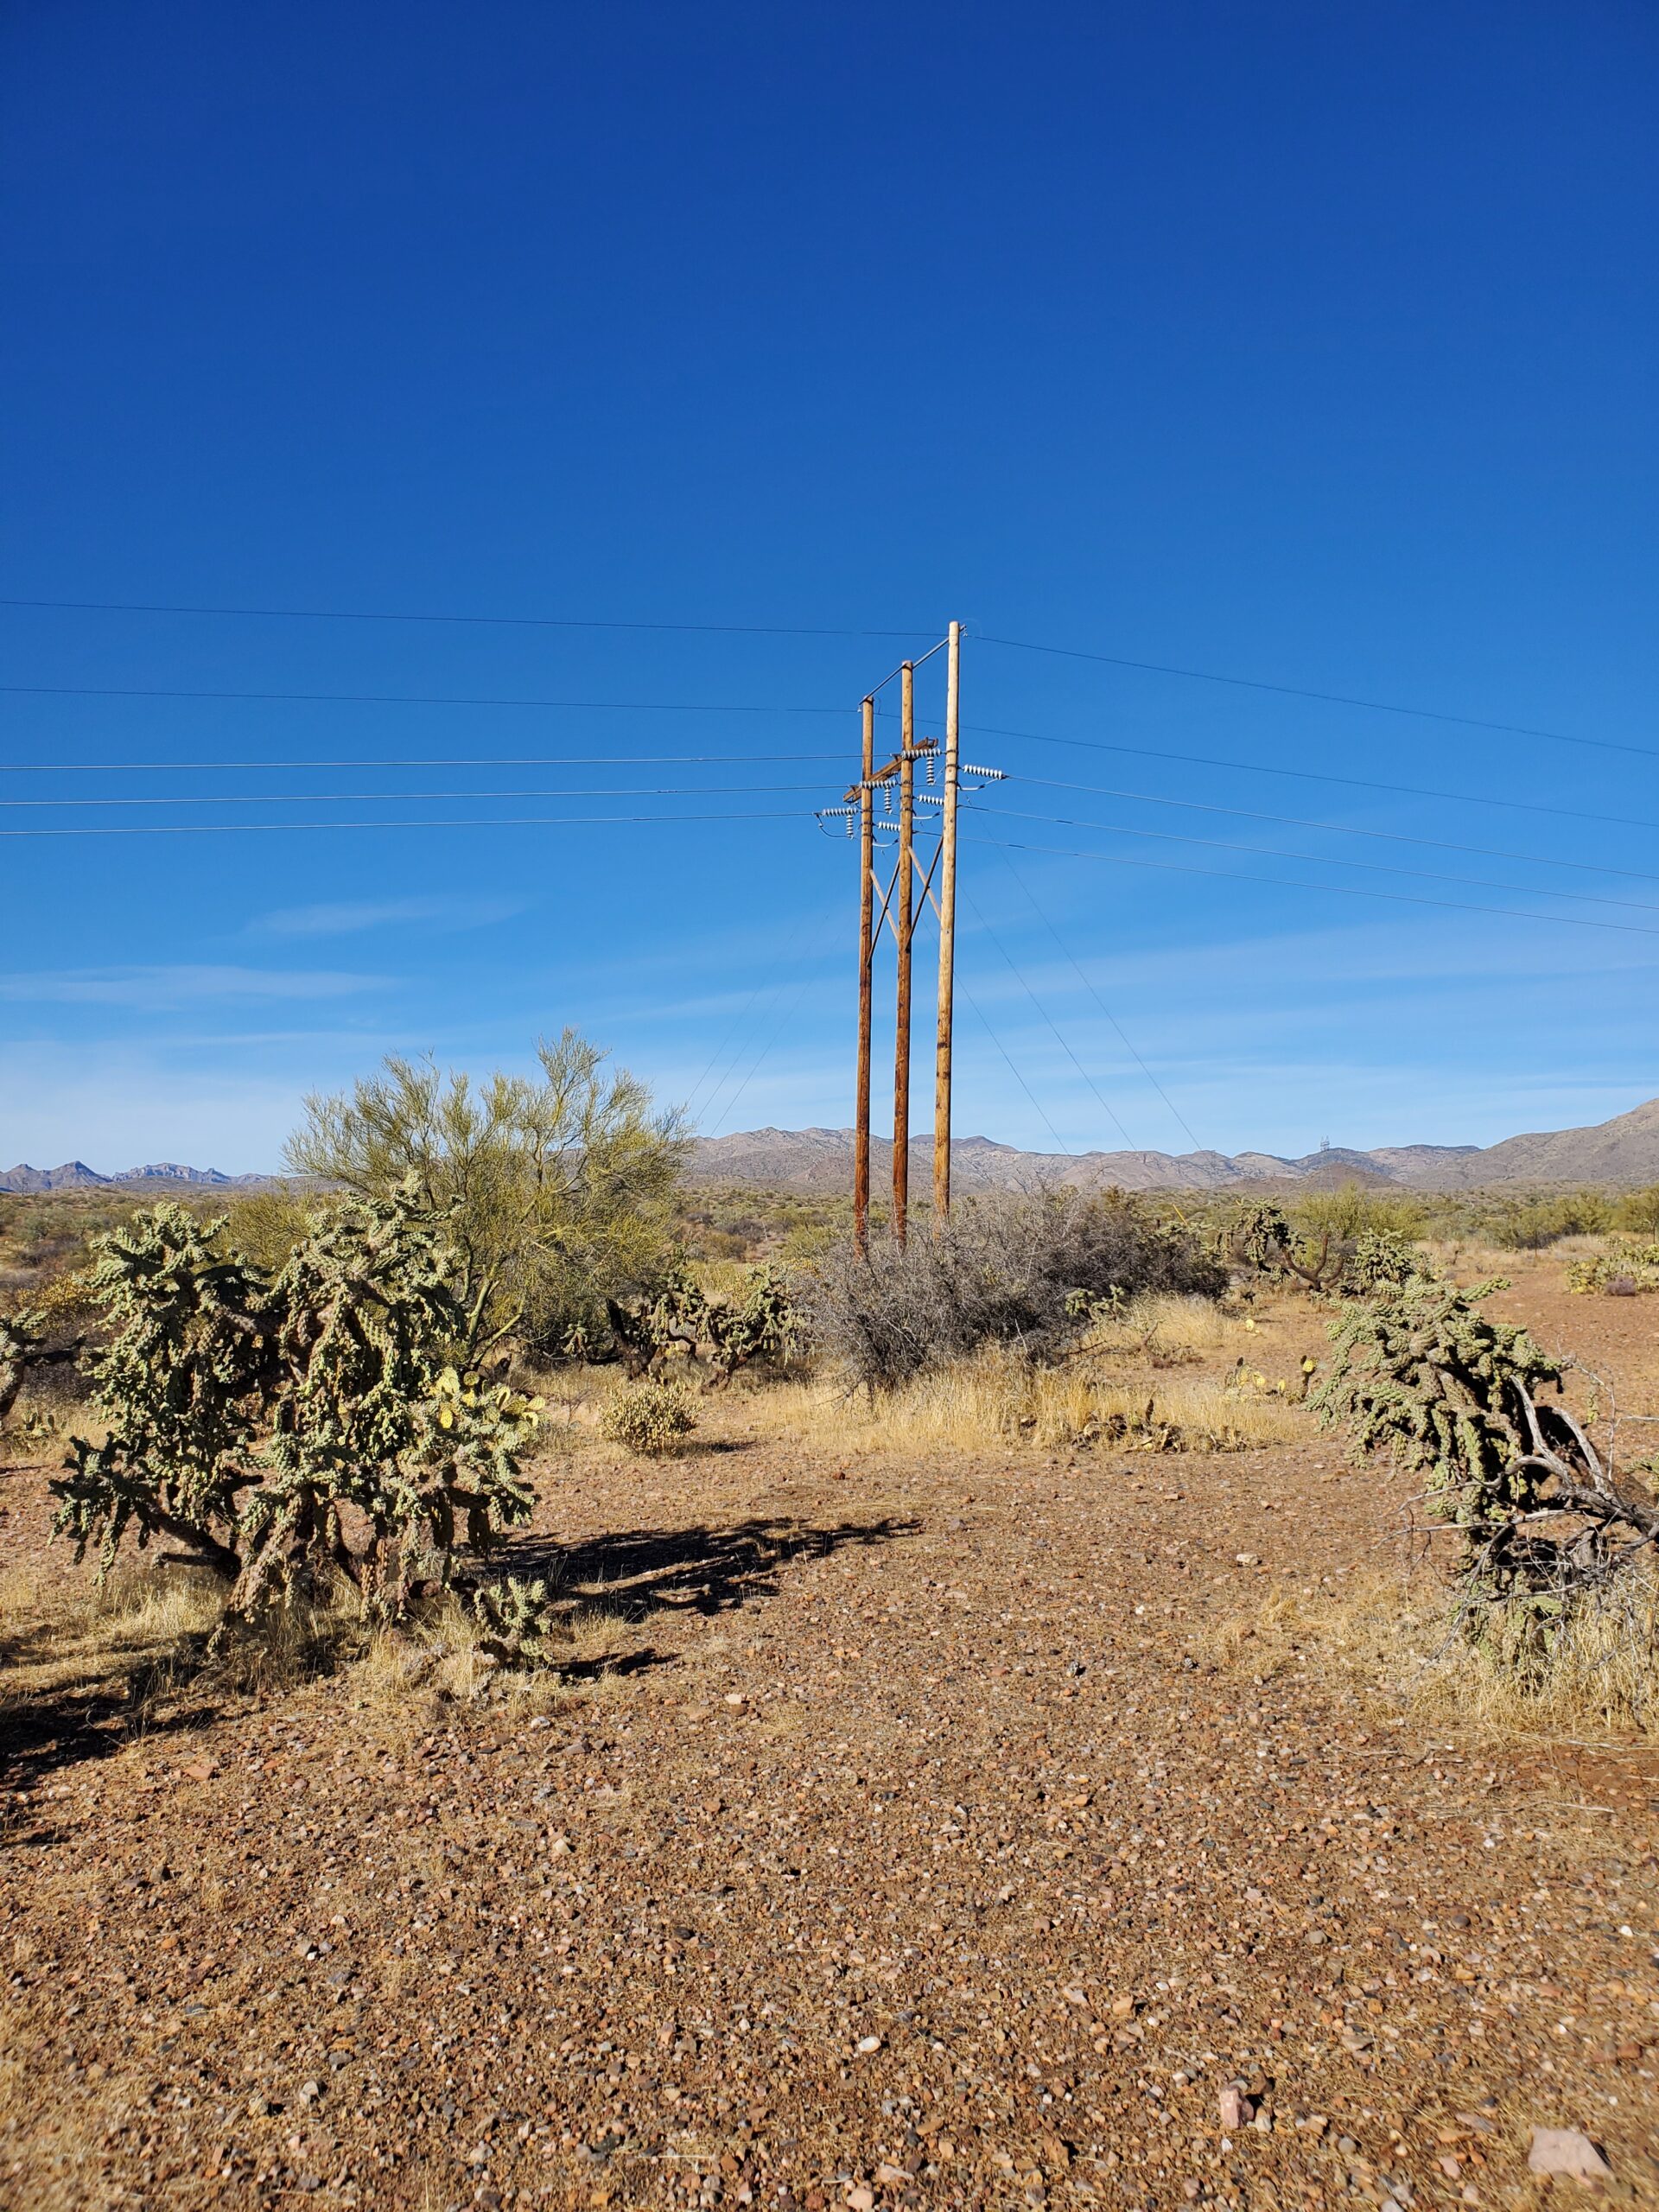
[[996, 1397], [648, 1416], [1028, 1273], [1621, 1271], [1395, 1636]]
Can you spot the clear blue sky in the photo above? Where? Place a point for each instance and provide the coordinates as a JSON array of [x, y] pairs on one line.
[[1307, 344]]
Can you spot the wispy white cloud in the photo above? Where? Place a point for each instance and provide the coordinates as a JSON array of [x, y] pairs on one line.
[[154, 989], [351, 918]]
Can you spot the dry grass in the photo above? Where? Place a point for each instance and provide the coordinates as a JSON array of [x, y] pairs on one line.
[[1397, 1636], [999, 1398], [60, 1629]]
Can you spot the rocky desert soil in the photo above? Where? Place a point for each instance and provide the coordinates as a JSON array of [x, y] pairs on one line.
[[928, 1834]]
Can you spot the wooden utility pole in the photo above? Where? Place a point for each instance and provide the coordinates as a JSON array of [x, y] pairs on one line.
[[904, 928], [947, 929], [865, 948]]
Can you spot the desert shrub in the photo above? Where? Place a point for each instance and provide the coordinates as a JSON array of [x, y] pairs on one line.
[[1025, 1271], [1545, 1533], [647, 1417], [1637, 1211], [1531, 1225], [281, 1429], [1342, 1241], [267, 1226], [558, 1191], [1622, 1270], [1354, 1210]]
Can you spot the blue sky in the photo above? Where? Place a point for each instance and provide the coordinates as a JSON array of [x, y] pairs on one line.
[[1307, 345]]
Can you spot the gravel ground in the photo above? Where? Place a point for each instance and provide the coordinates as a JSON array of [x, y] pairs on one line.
[[915, 1847]]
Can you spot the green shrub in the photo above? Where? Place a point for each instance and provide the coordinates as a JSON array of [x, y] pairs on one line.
[[647, 1417], [1621, 1271]]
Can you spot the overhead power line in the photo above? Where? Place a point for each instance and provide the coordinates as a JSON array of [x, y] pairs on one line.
[[1325, 698], [400, 798], [1317, 776], [1339, 890], [486, 822], [1042, 915], [458, 761], [399, 699], [1315, 859], [1342, 829], [484, 622]]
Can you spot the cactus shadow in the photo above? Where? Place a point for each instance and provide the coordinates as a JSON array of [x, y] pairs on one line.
[[706, 1568]]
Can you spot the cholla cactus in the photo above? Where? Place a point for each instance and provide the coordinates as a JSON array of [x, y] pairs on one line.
[[248, 1416], [519, 1619], [24, 1344], [1421, 1371], [1621, 1271], [765, 1325]]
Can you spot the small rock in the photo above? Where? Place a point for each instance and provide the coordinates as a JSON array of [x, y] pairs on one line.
[[1566, 2151], [892, 2176], [309, 2092], [1235, 2107], [735, 1697], [1074, 1996], [1347, 2145], [1246, 1559], [867, 2044], [861, 2199]]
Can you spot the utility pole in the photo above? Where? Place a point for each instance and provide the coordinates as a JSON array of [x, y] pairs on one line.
[[865, 950], [904, 928], [947, 927]]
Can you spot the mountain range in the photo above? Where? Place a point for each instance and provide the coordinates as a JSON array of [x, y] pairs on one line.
[[1625, 1151], [76, 1175]]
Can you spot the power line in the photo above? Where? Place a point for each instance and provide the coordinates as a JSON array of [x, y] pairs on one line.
[[320, 799], [984, 1022], [1314, 776], [1344, 828], [468, 760], [1317, 859], [765, 1053], [1325, 698], [1104, 1105], [487, 821], [1042, 917], [1341, 890], [397, 699], [486, 621]]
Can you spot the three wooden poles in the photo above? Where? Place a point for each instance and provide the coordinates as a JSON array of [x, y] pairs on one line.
[[900, 903]]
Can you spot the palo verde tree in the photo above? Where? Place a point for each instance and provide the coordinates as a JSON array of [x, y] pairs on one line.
[[557, 1188], [278, 1428]]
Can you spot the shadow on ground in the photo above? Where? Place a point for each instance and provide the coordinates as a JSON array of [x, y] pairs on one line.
[[699, 1569]]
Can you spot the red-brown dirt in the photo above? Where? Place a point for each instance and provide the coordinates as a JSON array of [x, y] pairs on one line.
[[914, 1848]]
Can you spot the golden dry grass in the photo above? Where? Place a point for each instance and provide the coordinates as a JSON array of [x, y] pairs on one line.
[[59, 1629], [1397, 1636]]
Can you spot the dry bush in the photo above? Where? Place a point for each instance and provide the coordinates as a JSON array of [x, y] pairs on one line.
[[648, 1417], [1017, 1271], [1391, 1635]]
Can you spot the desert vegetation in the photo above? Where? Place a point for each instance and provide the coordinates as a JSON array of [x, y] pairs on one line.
[[587, 1613]]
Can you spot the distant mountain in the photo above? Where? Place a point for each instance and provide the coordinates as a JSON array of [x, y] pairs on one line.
[[76, 1175], [1623, 1151]]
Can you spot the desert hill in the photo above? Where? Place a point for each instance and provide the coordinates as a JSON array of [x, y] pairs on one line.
[[1625, 1151]]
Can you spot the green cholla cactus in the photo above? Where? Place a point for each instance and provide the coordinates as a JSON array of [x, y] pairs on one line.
[[520, 1621], [249, 1415], [647, 1417], [1624, 1269], [1421, 1371]]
